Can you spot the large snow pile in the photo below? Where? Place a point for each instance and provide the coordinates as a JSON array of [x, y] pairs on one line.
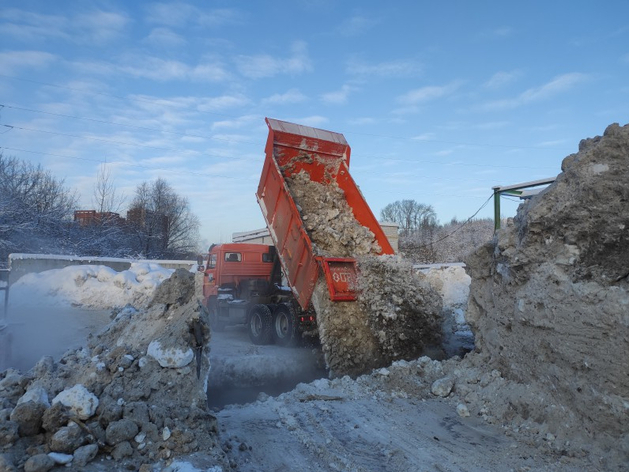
[[92, 286], [397, 315], [549, 299], [136, 393]]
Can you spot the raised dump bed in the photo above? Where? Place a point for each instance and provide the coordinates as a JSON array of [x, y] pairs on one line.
[[294, 151]]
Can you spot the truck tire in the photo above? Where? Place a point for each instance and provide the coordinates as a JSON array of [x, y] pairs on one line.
[[215, 323], [260, 325], [284, 325]]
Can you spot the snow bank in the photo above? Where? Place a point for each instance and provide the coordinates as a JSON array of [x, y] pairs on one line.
[[92, 286], [111, 398], [550, 296]]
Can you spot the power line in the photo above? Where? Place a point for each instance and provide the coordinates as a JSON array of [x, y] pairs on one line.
[[145, 128], [120, 97], [458, 143], [122, 143], [405, 138], [387, 158], [421, 246], [122, 163]]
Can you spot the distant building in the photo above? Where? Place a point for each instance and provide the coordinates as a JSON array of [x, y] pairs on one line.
[[92, 218], [262, 236], [391, 232], [257, 236], [141, 218]]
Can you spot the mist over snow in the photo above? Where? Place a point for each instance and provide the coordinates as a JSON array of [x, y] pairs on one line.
[[101, 287]]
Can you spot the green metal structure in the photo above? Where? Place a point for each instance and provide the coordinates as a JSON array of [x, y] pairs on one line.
[[516, 190]]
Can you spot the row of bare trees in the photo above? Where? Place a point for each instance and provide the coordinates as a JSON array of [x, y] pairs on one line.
[[37, 213], [424, 240]]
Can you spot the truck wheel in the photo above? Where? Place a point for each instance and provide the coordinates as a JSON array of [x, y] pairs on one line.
[[284, 325], [215, 323], [261, 325]]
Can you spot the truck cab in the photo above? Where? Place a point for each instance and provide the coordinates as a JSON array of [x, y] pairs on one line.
[[242, 284], [232, 267]]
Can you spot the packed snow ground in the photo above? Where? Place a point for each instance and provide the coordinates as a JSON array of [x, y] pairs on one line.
[[413, 415]]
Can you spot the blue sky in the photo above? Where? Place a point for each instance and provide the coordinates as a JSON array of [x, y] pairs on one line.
[[439, 101]]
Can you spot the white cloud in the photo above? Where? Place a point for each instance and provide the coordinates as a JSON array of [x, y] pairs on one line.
[[388, 69], [290, 97], [170, 14], [164, 37], [265, 65], [28, 26], [179, 14], [155, 68], [247, 120], [357, 25], [210, 72], [223, 102], [13, 61], [424, 137], [501, 78], [556, 86], [313, 120], [425, 94], [553, 143], [101, 26], [490, 125], [338, 97], [362, 121], [498, 33], [94, 26]]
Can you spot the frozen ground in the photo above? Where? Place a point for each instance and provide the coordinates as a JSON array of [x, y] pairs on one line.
[[391, 420]]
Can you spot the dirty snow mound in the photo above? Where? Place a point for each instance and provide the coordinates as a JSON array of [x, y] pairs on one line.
[[403, 310], [395, 319], [136, 393], [349, 345], [549, 298]]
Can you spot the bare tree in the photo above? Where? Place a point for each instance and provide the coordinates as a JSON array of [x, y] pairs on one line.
[[35, 209], [162, 221], [410, 215], [451, 242], [105, 198]]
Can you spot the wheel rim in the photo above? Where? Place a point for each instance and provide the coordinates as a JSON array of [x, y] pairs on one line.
[[281, 325], [256, 324]]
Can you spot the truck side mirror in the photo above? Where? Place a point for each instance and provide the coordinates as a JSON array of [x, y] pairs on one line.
[[200, 266]]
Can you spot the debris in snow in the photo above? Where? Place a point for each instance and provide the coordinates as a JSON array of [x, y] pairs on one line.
[[402, 308], [329, 220], [170, 357], [442, 387], [80, 401]]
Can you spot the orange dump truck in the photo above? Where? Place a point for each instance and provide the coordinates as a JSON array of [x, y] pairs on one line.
[[324, 156], [249, 289]]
